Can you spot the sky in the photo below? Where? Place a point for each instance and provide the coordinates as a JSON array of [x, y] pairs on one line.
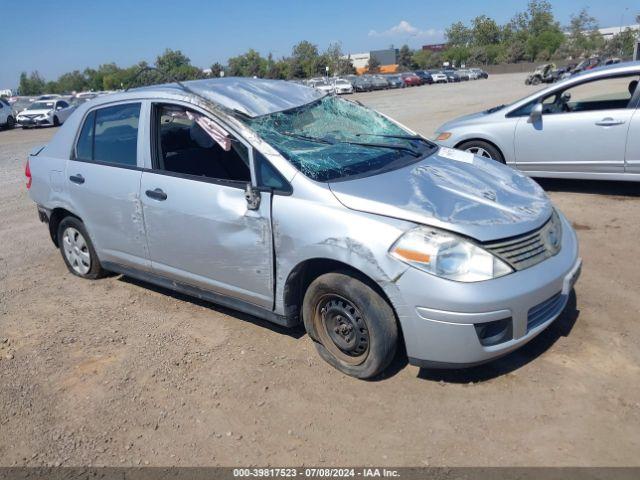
[[57, 37]]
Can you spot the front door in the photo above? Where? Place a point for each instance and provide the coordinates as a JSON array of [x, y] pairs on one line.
[[199, 229], [583, 129]]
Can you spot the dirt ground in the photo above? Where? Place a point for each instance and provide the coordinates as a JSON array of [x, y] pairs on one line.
[[116, 372]]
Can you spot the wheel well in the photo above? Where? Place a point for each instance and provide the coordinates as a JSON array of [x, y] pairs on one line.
[[481, 140], [57, 214], [306, 272]]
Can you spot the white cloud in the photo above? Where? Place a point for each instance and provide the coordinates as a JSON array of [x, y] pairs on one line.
[[404, 29]]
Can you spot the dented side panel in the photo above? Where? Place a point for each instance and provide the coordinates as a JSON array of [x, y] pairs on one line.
[[108, 203], [203, 234], [314, 225]]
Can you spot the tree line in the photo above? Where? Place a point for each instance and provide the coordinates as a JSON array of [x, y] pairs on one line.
[[531, 35]]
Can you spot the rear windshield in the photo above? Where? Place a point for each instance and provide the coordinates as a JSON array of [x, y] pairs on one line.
[[320, 138]]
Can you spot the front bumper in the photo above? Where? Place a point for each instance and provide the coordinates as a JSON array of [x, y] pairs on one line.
[[32, 122], [442, 329]]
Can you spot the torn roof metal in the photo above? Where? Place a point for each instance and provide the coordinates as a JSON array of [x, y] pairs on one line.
[[252, 97]]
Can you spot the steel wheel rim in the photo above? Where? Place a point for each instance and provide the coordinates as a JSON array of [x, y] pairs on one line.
[[342, 329], [76, 250], [481, 152]]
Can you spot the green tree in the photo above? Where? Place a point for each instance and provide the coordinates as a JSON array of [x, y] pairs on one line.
[[405, 58], [216, 69], [457, 55], [584, 38], [305, 60], [373, 66], [177, 66], [485, 31], [33, 84], [621, 45], [250, 64], [458, 35], [71, 82]]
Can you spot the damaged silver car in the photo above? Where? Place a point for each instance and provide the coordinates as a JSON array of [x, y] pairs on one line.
[[299, 207]]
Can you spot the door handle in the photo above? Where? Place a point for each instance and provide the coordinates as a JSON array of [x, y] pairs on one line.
[[609, 122], [77, 178], [157, 194]]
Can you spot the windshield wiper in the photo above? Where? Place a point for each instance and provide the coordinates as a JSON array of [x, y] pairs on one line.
[[307, 138], [401, 137], [410, 151]]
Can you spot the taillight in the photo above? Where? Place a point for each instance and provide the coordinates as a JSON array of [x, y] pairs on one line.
[[27, 173]]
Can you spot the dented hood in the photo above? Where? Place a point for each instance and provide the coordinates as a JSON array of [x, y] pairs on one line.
[[452, 190]]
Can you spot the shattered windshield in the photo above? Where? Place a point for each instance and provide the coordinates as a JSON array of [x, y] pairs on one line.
[[334, 139]]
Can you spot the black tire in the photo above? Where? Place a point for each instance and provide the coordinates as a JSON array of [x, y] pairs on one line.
[[369, 322], [95, 269], [474, 145], [11, 122], [56, 122]]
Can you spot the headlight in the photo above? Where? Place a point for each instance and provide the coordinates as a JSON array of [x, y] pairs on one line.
[[448, 256], [443, 136]]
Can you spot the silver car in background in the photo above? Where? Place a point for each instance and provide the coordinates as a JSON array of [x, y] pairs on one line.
[[586, 127], [304, 208]]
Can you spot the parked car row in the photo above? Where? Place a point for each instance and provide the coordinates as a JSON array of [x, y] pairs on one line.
[[40, 111], [367, 83]]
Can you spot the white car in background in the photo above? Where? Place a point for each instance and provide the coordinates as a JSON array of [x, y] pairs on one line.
[[439, 77], [45, 113], [342, 86], [7, 117], [321, 84]]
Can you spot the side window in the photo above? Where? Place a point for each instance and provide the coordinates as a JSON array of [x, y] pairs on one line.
[[110, 135], [268, 176], [62, 104], [84, 147], [185, 147], [605, 94], [116, 134]]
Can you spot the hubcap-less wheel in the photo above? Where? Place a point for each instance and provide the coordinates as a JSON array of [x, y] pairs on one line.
[[481, 152], [76, 251], [342, 328]]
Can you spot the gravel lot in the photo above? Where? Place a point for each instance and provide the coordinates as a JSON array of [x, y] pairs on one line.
[[116, 372]]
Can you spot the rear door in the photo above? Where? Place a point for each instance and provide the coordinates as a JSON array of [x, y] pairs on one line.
[[200, 230], [583, 129], [104, 183]]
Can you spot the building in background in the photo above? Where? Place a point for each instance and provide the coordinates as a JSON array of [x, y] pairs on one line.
[[435, 47], [388, 60], [610, 32]]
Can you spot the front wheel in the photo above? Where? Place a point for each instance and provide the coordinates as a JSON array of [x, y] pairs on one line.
[[354, 329], [56, 122], [77, 250], [482, 149]]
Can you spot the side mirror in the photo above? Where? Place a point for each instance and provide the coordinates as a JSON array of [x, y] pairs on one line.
[[252, 195], [536, 113]]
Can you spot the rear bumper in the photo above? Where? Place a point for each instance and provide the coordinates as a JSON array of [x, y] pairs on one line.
[[448, 322]]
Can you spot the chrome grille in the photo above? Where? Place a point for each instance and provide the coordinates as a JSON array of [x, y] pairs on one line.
[[527, 250], [545, 311]]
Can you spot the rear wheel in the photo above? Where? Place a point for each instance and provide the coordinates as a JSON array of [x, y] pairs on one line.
[[482, 149], [77, 250], [353, 327]]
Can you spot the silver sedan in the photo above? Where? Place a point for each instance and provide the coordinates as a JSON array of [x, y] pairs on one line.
[[584, 127]]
